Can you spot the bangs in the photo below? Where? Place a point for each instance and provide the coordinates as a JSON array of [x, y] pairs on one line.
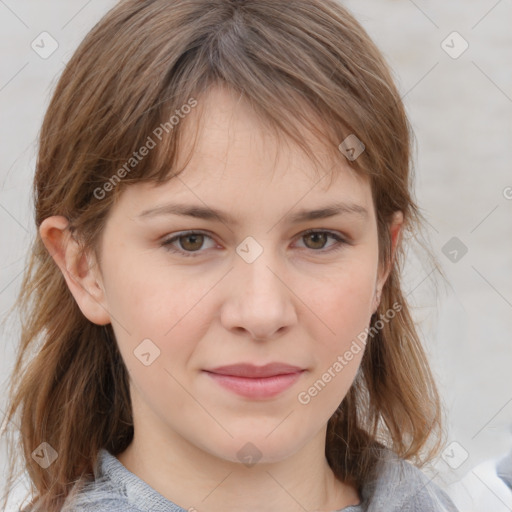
[[171, 145], [294, 82]]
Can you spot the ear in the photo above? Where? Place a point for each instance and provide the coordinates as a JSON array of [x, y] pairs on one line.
[[395, 229], [80, 270]]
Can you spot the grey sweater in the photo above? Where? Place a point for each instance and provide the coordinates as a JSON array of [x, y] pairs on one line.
[[399, 486]]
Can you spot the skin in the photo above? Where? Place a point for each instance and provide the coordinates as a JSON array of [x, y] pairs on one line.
[[299, 302]]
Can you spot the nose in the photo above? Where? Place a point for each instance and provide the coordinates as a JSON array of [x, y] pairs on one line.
[[258, 299]]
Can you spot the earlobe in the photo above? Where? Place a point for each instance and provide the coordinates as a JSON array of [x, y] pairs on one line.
[[79, 271]]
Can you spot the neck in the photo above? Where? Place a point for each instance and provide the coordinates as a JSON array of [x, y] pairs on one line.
[[196, 480]]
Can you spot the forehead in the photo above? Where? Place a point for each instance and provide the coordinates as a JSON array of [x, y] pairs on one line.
[[235, 159], [225, 126]]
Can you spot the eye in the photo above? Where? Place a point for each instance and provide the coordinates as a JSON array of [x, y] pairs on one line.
[[318, 239], [191, 242]]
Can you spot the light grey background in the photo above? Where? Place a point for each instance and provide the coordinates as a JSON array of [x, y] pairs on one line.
[[461, 111]]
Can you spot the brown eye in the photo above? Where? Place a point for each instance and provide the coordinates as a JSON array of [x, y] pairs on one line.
[[318, 239], [192, 242], [186, 244]]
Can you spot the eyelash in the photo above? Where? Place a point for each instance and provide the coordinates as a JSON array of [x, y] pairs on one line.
[[340, 242]]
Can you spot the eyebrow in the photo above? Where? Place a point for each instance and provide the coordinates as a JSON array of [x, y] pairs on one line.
[[206, 213]]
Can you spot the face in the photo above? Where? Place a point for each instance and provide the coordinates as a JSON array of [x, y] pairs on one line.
[[262, 285]]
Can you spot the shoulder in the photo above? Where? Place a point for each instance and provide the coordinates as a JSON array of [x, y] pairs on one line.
[[102, 493], [398, 485], [115, 489], [99, 495], [96, 496]]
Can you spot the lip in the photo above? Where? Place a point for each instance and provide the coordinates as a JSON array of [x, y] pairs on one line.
[[252, 371], [252, 381]]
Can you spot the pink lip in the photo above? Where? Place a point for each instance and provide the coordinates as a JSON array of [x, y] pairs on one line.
[[252, 371], [256, 381]]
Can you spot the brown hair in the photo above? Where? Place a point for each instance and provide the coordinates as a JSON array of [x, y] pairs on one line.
[[304, 63]]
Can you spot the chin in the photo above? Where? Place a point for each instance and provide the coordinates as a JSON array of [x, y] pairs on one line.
[[258, 448]]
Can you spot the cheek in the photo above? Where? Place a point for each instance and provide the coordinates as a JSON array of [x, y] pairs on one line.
[[149, 299], [154, 317], [344, 308], [341, 305]]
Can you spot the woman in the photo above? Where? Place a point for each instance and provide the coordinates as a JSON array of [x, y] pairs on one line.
[[222, 191]]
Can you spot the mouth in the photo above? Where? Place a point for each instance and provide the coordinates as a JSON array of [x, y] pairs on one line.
[[256, 382]]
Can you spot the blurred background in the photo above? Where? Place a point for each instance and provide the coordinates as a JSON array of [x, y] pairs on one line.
[[453, 64]]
